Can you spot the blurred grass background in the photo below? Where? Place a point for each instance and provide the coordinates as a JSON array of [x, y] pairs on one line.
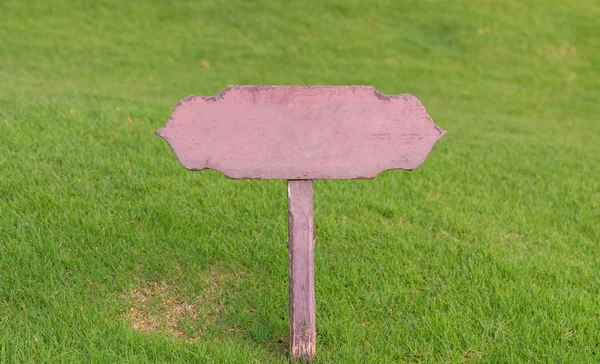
[[112, 252]]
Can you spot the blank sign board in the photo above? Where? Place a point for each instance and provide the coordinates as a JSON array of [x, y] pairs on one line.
[[301, 132]]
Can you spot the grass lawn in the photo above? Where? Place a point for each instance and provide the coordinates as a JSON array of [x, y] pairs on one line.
[[110, 251]]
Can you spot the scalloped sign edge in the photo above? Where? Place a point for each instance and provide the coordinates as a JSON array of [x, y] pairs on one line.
[[300, 132]]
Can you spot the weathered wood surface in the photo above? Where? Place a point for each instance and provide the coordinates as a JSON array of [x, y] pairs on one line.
[[301, 244], [301, 132]]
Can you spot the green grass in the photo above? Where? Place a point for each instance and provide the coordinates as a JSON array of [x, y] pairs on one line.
[[489, 252]]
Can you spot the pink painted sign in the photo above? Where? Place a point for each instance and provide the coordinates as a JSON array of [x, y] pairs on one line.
[[301, 133]]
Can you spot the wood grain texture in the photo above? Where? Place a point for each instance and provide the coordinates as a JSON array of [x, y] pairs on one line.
[[301, 243], [301, 132]]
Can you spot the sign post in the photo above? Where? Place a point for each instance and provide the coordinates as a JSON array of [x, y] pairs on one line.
[[301, 134], [301, 250]]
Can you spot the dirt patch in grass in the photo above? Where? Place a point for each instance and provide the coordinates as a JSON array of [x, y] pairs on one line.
[[176, 307]]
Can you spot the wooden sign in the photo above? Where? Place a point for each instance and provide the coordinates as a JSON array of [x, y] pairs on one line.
[[301, 133]]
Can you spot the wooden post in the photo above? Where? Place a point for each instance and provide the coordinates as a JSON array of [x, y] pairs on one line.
[[301, 244]]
